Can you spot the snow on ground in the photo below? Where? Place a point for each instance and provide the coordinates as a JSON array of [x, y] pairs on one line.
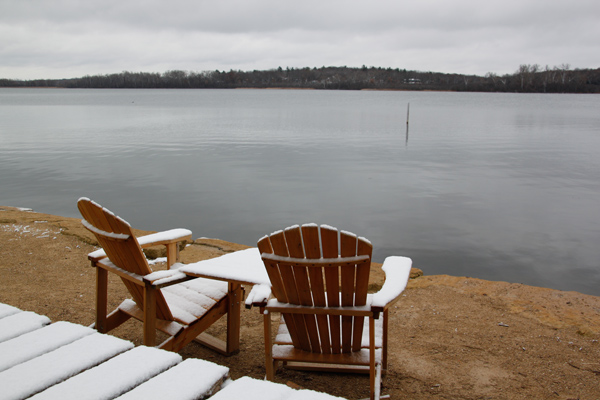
[[39, 232]]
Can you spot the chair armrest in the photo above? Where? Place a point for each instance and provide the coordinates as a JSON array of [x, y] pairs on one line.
[[397, 272], [166, 278], [258, 296], [165, 237]]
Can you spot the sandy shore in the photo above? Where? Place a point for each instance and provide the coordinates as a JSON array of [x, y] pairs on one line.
[[451, 337]]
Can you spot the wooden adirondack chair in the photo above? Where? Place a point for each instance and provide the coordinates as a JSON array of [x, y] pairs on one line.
[[320, 278], [169, 301]]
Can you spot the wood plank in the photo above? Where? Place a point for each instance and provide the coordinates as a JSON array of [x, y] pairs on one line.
[[46, 370], [6, 310], [312, 244], [312, 247], [384, 344], [20, 323], [176, 382], [338, 368], [347, 249], [213, 343], [264, 247], [40, 341], [289, 353], [343, 311], [141, 363], [360, 298], [316, 263], [193, 330], [276, 281], [172, 254], [293, 238], [310, 236], [171, 328], [115, 319], [101, 299], [234, 300], [372, 358], [295, 322], [270, 370], [362, 284], [127, 275], [329, 248], [304, 294], [362, 273], [149, 315]]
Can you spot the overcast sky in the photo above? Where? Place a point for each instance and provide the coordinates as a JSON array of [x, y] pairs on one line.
[[72, 38]]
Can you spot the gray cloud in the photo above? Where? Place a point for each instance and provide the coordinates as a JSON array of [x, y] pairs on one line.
[[64, 38]]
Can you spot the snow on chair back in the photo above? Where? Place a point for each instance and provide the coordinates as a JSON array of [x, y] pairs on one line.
[[319, 267], [116, 237]]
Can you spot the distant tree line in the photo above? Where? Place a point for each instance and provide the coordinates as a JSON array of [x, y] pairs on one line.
[[527, 79]]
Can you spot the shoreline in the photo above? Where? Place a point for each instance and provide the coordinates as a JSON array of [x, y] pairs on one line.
[[452, 337]]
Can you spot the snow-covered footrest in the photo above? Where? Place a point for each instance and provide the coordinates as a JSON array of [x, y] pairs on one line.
[[249, 388], [113, 377], [41, 341], [190, 380], [20, 323], [37, 374], [6, 310]]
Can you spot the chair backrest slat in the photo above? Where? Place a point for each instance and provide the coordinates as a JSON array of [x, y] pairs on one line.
[[293, 238], [347, 249], [312, 250], [294, 322], [264, 246], [319, 282]]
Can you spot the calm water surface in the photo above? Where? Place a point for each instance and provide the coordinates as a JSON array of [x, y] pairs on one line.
[[495, 186]]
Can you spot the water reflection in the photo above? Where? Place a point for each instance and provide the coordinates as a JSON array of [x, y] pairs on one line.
[[489, 187]]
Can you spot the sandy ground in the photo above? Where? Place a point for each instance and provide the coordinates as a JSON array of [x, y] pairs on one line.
[[450, 337]]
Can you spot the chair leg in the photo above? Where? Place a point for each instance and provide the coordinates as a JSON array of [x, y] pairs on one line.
[[149, 315], [234, 299], [374, 392], [377, 394], [384, 355], [101, 299], [269, 363]]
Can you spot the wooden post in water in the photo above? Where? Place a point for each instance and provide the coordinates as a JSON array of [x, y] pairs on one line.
[[407, 117]]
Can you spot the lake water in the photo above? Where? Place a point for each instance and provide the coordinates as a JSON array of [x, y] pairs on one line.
[[494, 186]]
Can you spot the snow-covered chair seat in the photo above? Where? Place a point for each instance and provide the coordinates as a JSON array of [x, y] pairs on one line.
[[320, 278], [170, 301]]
